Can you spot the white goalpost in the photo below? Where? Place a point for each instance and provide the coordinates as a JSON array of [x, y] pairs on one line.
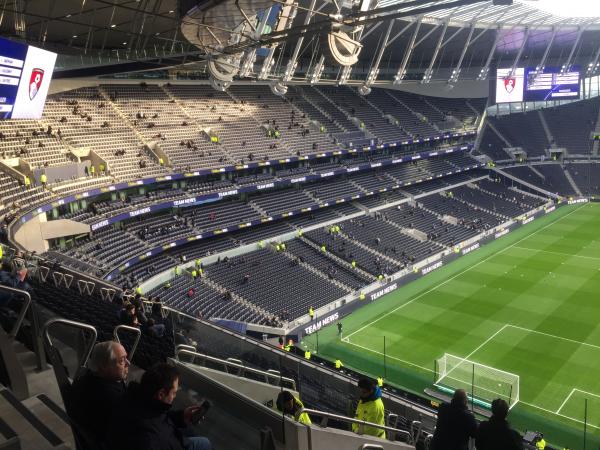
[[482, 382]]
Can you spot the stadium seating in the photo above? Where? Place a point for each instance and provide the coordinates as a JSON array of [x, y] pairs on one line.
[[571, 125]]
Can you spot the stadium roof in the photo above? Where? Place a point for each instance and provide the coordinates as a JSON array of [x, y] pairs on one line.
[[523, 13]]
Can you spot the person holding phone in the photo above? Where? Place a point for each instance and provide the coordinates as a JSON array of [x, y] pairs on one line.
[[145, 421]]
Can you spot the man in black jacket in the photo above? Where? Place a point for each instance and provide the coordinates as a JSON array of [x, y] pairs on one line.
[[455, 424], [496, 434], [144, 420], [94, 396]]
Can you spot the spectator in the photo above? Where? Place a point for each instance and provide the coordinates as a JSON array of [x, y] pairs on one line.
[[370, 409], [455, 424], [496, 434], [290, 405], [139, 309], [157, 307], [128, 316], [144, 420], [155, 329], [95, 395]]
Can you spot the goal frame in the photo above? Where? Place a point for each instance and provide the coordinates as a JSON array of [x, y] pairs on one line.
[[441, 373]]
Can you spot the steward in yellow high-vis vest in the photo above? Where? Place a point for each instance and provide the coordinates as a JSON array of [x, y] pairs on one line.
[[291, 405], [370, 409]]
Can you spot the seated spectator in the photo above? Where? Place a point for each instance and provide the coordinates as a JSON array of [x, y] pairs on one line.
[[290, 405], [370, 409], [455, 424], [496, 434], [139, 309], [95, 395], [155, 329], [128, 316], [144, 420], [156, 307]]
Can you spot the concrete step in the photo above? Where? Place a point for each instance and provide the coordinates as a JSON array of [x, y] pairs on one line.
[[34, 432], [52, 415]]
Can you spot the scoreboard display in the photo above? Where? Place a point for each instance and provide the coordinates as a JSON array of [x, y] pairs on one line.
[[551, 83], [528, 84], [25, 74]]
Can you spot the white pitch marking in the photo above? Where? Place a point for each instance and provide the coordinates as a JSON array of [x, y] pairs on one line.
[[566, 400], [570, 255], [463, 272]]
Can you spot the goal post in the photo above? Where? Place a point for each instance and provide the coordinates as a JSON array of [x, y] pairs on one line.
[[483, 383]]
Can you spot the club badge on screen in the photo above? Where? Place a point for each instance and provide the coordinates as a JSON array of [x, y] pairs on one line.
[[35, 81]]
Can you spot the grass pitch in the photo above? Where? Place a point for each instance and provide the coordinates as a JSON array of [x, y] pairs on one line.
[[528, 303]]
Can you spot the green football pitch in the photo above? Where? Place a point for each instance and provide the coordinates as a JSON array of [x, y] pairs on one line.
[[527, 303]]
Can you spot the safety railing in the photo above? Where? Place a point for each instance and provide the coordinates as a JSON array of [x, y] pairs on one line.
[[23, 311], [239, 369], [393, 434], [135, 331], [87, 350]]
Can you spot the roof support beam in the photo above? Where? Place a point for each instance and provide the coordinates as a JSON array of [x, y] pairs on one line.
[[374, 71], [567, 65], [593, 66], [400, 33], [456, 70], [542, 62], [373, 28], [520, 52], [486, 68], [429, 70], [407, 54], [429, 33], [293, 62]]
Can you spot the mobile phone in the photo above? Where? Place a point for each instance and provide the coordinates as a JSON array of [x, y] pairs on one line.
[[201, 411]]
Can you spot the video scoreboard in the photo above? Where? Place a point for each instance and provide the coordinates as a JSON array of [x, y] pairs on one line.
[[527, 84], [25, 74]]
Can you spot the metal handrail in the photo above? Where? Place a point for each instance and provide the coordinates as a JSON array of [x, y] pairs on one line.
[[136, 331], [24, 308], [185, 347], [337, 417], [243, 368], [71, 323]]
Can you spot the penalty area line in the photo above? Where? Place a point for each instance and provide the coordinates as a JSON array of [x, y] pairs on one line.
[[389, 356]]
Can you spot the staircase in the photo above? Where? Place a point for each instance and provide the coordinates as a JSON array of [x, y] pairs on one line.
[[192, 120], [418, 116], [235, 297], [305, 97], [339, 261], [545, 127], [368, 249], [258, 209], [126, 121], [572, 182], [537, 172], [318, 272], [406, 232], [476, 207], [596, 145], [37, 422]]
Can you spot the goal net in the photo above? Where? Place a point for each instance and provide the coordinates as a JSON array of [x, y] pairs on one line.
[[483, 383]]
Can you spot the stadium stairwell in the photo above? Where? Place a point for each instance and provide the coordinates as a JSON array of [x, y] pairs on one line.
[[573, 184], [545, 126], [526, 183]]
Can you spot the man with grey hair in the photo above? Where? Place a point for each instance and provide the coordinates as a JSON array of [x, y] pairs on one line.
[[95, 395]]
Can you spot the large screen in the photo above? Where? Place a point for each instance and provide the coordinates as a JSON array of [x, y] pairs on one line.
[[551, 83], [510, 88], [25, 74], [529, 85]]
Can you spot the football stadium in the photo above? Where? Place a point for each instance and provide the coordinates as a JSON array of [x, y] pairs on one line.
[[298, 224]]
